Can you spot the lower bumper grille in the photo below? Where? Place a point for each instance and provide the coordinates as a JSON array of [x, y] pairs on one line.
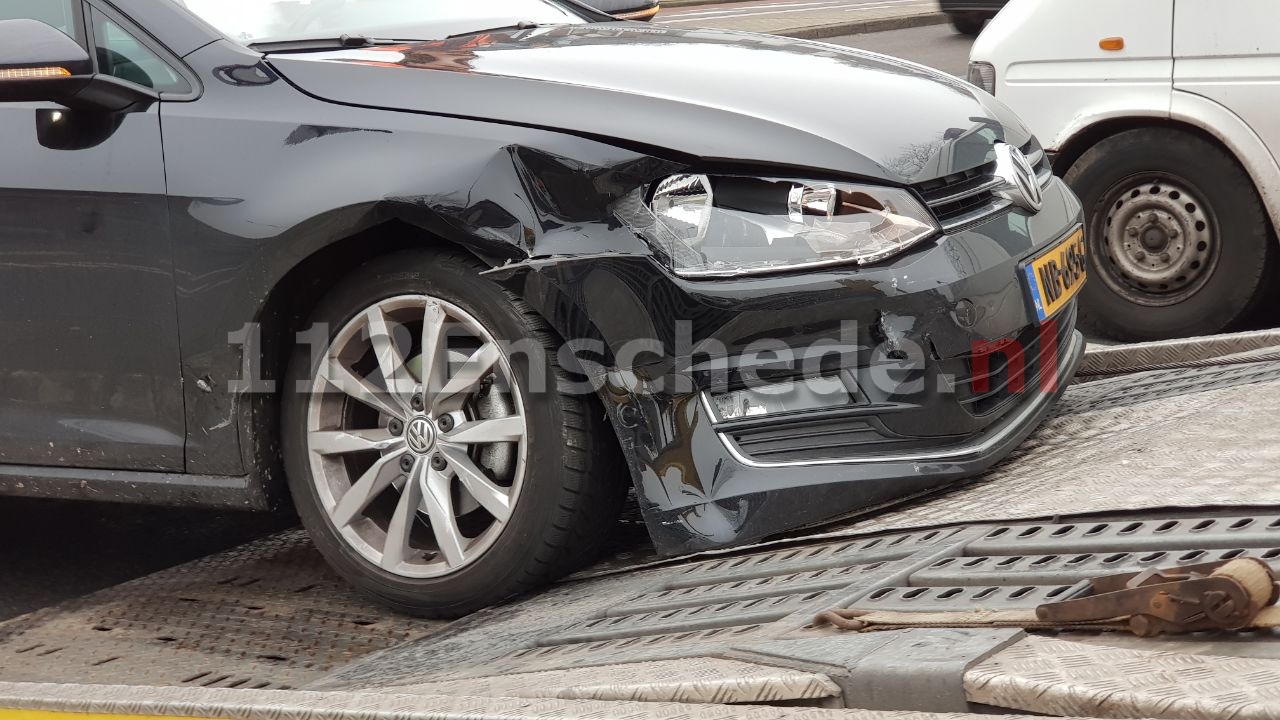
[[988, 387], [1000, 371], [830, 439]]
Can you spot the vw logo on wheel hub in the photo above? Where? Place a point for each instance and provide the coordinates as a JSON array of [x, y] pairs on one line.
[[420, 435]]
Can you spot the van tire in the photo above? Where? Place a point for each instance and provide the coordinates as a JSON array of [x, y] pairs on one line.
[[1173, 200]]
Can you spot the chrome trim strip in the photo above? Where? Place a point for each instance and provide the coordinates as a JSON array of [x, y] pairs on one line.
[[999, 434], [978, 214], [988, 186]]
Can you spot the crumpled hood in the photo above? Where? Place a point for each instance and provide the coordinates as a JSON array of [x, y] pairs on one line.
[[709, 94]]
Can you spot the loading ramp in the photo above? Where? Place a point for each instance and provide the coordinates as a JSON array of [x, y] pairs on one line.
[[1162, 454]]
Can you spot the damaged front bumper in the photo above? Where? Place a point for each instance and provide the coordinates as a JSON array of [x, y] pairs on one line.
[[702, 487], [946, 366]]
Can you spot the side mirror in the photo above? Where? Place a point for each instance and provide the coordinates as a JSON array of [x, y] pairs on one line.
[[38, 62]]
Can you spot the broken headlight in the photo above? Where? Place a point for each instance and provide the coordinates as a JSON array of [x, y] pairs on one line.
[[721, 226]]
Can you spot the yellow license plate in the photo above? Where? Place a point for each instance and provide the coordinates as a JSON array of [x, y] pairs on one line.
[[1056, 276]]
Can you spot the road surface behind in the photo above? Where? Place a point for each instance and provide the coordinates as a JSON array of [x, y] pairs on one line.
[[937, 46], [780, 16]]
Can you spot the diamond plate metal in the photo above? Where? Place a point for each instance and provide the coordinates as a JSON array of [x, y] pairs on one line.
[[1260, 530], [269, 614], [1067, 568], [709, 615], [1189, 352], [918, 670], [696, 680], [304, 705], [1059, 677], [622, 619], [1122, 445], [570, 638], [1020, 566]]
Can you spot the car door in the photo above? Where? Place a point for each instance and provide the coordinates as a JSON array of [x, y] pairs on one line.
[[89, 363], [1229, 52]]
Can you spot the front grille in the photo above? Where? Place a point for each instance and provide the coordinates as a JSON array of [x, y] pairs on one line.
[[992, 378], [963, 198], [967, 197], [830, 439]]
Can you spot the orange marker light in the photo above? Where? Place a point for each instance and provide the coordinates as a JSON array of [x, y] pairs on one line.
[[1111, 44], [35, 73]]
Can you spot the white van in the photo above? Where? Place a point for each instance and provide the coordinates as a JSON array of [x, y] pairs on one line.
[[1164, 116]]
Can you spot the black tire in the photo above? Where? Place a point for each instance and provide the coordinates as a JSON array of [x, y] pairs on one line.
[[970, 24], [573, 485], [1223, 289]]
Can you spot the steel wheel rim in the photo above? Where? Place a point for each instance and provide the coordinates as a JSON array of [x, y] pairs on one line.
[[1158, 243], [416, 436]]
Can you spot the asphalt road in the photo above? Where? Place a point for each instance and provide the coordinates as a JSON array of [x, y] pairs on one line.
[[781, 15], [52, 551], [937, 46]]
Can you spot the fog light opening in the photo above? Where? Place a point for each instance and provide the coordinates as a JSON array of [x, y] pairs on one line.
[[801, 395]]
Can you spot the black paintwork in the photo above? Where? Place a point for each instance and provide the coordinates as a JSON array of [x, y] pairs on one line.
[[130, 268], [877, 118]]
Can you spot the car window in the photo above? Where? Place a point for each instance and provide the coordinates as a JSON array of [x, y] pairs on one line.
[[123, 56], [58, 13]]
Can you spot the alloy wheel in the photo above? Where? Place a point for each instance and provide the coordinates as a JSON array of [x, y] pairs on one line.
[[416, 436]]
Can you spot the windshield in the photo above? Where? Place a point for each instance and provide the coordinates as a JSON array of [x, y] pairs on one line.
[[258, 21]]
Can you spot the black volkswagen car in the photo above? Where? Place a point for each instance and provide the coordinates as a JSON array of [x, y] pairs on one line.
[[451, 276]]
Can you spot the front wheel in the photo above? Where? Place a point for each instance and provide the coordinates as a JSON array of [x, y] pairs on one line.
[[1179, 242], [433, 467]]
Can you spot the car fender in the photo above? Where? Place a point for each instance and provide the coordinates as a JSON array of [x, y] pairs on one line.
[[314, 189]]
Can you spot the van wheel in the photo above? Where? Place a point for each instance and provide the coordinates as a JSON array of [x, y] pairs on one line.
[[970, 24], [1179, 243], [434, 467]]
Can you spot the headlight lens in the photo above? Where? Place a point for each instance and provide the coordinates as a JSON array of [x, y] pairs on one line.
[[983, 75], [720, 226]]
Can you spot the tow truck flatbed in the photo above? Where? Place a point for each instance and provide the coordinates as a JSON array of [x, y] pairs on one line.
[[1161, 455]]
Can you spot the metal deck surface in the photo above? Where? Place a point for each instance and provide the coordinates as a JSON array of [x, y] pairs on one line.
[[1161, 467], [740, 629], [134, 703], [269, 614], [1195, 438]]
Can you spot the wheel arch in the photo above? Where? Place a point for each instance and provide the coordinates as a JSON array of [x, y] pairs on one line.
[[289, 303], [283, 312], [1201, 117]]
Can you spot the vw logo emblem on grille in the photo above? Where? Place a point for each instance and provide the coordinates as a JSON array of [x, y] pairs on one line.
[[1020, 184], [420, 435]]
